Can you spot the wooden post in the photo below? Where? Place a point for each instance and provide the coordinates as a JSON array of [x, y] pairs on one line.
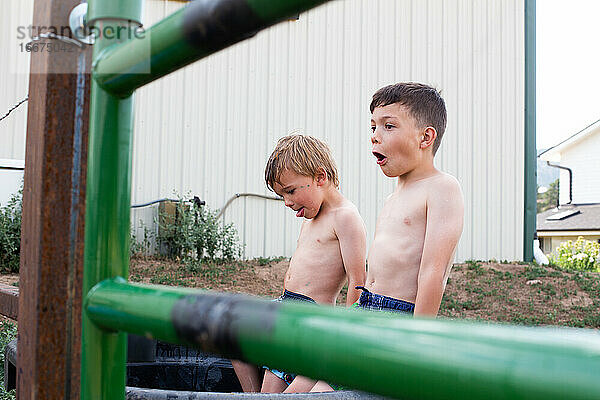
[[49, 338]]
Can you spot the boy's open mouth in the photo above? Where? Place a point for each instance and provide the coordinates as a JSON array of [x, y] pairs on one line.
[[300, 212], [381, 159]]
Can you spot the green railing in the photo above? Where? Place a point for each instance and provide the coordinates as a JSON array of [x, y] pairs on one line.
[[389, 355]]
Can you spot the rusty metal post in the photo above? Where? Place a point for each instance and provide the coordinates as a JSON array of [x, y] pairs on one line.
[[49, 346]]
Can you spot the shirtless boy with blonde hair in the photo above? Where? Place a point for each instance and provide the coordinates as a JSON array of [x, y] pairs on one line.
[[331, 248], [418, 229]]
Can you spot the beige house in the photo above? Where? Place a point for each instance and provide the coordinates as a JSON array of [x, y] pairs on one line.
[[579, 190], [568, 222]]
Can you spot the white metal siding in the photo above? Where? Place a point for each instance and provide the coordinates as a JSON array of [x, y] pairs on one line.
[[208, 129], [14, 76], [221, 117], [584, 160]]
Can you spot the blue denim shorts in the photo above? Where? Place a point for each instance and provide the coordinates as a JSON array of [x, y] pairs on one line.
[[289, 296], [377, 302]]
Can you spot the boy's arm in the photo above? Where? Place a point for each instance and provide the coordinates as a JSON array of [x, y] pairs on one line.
[[351, 233], [444, 225]]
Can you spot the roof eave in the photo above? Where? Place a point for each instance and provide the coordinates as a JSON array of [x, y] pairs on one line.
[[568, 142]]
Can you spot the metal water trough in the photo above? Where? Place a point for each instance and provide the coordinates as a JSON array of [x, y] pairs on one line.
[[159, 365], [162, 371]]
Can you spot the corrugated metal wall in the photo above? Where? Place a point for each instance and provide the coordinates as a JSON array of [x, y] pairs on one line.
[[15, 18], [208, 129], [222, 116]]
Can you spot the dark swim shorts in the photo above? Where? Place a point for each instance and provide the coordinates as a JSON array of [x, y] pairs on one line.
[[377, 302], [289, 296]]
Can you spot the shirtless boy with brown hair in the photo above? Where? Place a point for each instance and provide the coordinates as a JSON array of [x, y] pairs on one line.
[[418, 229], [331, 247]]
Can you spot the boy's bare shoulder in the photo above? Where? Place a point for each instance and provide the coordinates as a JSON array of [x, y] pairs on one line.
[[444, 192], [347, 214], [443, 183]]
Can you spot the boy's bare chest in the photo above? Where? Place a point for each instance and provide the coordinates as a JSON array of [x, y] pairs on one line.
[[403, 212], [317, 252], [315, 234]]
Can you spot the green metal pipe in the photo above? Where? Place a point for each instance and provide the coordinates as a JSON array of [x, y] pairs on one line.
[[381, 353], [108, 202], [193, 32], [114, 10]]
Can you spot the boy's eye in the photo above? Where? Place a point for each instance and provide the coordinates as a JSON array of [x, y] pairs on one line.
[[389, 126], [291, 191], [372, 128]]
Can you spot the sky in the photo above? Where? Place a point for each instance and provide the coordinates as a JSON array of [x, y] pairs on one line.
[[567, 68]]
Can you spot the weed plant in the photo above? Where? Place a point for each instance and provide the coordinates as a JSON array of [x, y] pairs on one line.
[[10, 233], [194, 234]]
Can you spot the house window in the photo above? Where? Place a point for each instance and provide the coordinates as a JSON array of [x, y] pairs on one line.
[[543, 244], [547, 245]]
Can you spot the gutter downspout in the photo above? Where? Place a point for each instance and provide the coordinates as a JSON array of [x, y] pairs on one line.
[[570, 182], [530, 195]]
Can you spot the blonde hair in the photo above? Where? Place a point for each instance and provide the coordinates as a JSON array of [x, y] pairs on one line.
[[302, 154]]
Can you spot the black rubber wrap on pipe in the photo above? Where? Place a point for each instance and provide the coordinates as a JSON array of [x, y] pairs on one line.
[[214, 321], [212, 25]]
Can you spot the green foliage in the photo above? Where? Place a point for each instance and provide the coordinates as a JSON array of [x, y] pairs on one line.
[[474, 267], [549, 199], [535, 272], [581, 255], [10, 233], [262, 261], [195, 234], [170, 278], [590, 284], [8, 331]]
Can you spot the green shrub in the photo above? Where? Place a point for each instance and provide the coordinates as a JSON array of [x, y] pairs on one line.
[[194, 233], [10, 233], [581, 255]]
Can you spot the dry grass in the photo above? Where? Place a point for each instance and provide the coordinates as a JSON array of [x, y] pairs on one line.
[[491, 291], [522, 294], [488, 291]]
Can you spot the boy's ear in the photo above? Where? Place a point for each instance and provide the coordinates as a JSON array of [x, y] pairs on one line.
[[321, 177], [428, 137]]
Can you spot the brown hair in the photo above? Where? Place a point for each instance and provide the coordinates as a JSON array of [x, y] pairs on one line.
[[305, 155], [424, 104]]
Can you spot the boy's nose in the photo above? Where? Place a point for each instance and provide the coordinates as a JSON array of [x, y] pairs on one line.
[[374, 138], [287, 202]]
